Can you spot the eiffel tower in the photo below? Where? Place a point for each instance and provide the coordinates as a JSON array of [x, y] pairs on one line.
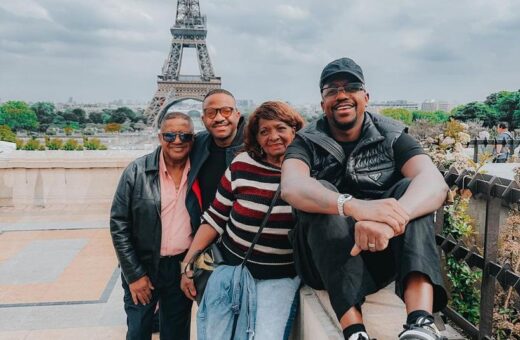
[[172, 87]]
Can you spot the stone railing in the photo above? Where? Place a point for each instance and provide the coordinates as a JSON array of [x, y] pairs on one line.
[[69, 178]]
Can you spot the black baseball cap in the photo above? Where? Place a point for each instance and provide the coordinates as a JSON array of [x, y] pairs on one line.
[[342, 65]]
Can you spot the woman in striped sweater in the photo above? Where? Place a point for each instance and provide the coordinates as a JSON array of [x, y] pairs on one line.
[[243, 197]]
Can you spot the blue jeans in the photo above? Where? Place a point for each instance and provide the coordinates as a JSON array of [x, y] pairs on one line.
[[230, 292], [174, 310], [277, 304]]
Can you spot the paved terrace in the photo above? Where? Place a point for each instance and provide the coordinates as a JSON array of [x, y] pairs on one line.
[[58, 272], [59, 280]]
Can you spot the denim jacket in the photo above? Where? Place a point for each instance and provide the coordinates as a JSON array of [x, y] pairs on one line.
[[231, 290]]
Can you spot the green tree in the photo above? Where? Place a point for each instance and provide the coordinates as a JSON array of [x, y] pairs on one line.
[[75, 115], [45, 113], [59, 120], [18, 115], [401, 114], [96, 117], [432, 117], [476, 111], [493, 98], [120, 115], [129, 113], [508, 108]]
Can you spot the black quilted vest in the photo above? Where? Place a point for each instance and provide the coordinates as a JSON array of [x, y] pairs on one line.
[[370, 168]]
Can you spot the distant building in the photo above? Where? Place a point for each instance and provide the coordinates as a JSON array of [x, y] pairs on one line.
[[245, 103], [432, 105], [377, 107]]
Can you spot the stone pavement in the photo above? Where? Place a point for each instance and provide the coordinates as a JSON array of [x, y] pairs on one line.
[[59, 279]]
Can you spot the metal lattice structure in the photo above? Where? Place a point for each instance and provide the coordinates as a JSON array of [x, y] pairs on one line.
[[189, 31]]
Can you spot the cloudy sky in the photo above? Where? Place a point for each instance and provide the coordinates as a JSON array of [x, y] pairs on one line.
[[101, 50]]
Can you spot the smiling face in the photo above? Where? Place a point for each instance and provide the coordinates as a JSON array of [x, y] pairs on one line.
[[345, 110], [223, 129], [274, 136], [175, 151]]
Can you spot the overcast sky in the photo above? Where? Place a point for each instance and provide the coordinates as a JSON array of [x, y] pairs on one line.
[[101, 50]]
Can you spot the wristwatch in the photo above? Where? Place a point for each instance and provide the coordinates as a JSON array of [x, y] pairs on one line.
[[342, 198]]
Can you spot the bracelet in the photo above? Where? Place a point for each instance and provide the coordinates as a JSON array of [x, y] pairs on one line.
[[342, 198], [185, 267]]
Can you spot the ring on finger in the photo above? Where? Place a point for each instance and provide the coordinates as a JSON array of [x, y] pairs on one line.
[[371, 245]]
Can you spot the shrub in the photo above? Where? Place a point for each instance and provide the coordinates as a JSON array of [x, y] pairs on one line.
[[32, 145], [54, 144], [507, 303], [6, 134], [464, 282], [68, 130], [19, 144], [403, 115], [112, 127], [72, 145], [434, 117], [93, 144]]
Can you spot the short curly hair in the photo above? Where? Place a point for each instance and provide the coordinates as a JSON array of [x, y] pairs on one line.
[[271, 110]]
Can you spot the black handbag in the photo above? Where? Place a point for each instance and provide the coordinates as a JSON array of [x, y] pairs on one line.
[[203, 262]]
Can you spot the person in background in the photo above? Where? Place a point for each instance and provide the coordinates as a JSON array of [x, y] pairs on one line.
[[150, 228], [243, 197], [502, 152]]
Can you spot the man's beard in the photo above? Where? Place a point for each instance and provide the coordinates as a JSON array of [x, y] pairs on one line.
[[344, 126]]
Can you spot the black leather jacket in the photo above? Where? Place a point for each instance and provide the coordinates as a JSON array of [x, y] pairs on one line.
[[199, 154], [370, 168], [135, 218]]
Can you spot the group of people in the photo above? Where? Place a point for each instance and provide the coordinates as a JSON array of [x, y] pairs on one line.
[[503, 149], [356, 211]]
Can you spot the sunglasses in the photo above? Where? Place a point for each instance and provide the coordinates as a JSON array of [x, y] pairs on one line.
[[172, 136], [225, 111]]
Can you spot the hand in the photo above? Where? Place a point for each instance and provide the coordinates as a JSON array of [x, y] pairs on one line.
[[141, 290], [187, 286], [387, 211], [372, 236]]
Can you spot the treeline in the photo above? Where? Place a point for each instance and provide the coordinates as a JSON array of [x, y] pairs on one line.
[[503, 106], [41, 116]]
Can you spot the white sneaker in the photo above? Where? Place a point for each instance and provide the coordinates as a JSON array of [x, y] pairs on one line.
[[423, 329], [359, 336]]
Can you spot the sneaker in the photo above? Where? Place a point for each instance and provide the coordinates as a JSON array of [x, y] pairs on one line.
[[423, 329], [359, 336]]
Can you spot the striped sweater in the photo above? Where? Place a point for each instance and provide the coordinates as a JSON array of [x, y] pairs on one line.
[[242, 199]]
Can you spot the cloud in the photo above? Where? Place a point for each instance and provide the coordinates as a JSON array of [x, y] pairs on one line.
[[25, 9], [262, 49], [291, 12]]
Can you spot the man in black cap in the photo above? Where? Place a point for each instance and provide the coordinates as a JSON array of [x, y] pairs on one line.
[[364, 193]]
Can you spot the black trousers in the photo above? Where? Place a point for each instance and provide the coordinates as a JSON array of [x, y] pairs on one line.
[[174, 311], [322, 245]]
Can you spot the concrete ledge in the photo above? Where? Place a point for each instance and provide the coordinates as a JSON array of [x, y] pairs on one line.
[[86, 159], [74, 178], [384, 315]]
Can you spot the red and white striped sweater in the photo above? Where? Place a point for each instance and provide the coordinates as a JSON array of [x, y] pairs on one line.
[[242, 199]]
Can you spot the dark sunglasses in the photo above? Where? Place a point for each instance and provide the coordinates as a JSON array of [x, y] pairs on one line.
[[225, 111], [172, 136]]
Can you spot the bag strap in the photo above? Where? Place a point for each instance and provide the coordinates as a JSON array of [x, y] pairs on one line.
[[262, 225]]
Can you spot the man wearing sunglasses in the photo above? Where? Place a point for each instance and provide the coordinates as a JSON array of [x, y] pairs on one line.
[[364, 193], [151, 231], [213, 150]]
